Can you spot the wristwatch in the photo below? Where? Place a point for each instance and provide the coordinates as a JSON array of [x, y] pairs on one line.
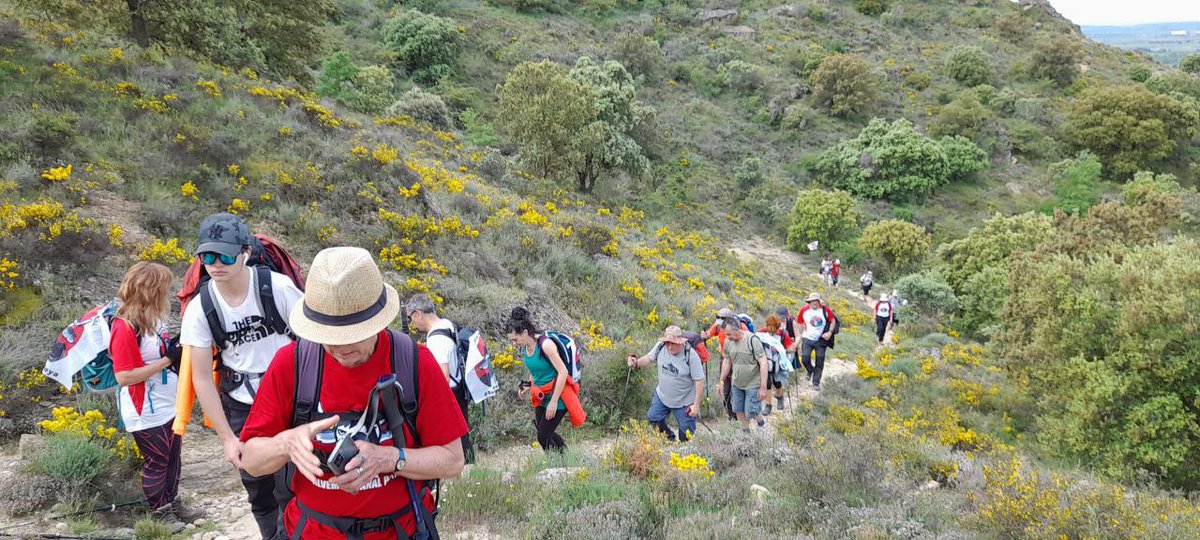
[[400, 460]]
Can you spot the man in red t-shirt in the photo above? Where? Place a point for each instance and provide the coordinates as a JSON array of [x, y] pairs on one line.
[[346, 308]]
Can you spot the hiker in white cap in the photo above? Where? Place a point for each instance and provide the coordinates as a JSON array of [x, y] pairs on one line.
[[680, 383], [317, 391], [819, 327]]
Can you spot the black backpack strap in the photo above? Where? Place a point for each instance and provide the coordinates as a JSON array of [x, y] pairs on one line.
[[309, 369], [266, 296], [405, 365], [212, 313]]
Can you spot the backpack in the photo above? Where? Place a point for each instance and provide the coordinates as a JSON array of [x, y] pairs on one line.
[[697, 345], [746, 320], [567, 350], [473, 375], [82, 348], [777, 365]]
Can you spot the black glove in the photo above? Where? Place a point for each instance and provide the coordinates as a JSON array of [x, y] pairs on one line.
[[175, 353]]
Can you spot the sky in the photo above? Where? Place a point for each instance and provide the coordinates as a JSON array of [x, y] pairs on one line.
[[1122, 12]]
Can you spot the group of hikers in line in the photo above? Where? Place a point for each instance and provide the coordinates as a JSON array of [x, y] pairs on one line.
[[309, 379]]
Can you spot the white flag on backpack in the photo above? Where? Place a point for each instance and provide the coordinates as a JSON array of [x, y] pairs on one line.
[[812, 246]]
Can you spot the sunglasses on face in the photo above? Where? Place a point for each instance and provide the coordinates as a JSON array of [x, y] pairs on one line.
[[211, 257]]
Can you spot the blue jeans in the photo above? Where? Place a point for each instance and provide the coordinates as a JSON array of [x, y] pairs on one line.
[[657, 415], [745, 400]]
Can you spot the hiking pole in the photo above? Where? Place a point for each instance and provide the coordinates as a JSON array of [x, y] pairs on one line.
[[625, 393], [111, 507]]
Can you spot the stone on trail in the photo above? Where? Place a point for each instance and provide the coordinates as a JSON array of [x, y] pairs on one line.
[[31, 446]]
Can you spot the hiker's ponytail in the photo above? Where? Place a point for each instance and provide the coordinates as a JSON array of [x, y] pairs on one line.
[[520, 321]]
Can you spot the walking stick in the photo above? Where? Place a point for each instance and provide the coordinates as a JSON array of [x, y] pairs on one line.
[[625, 393]]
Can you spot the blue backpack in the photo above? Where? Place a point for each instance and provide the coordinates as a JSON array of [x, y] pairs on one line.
[[567, 350]]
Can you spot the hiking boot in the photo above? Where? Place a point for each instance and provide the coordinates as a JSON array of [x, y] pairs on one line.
[[166, 516], [767, 410], [762, 423], [187, 513], [778, 403]]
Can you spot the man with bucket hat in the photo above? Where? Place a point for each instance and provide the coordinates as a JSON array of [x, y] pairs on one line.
[[820, 325], [356, 479], [680, 383]]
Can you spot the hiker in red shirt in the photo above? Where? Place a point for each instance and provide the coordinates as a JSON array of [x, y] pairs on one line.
[[146, 400], [342, 324], [836, 271]]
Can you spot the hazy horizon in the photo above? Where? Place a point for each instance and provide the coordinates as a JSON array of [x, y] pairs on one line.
[[1118, 13]]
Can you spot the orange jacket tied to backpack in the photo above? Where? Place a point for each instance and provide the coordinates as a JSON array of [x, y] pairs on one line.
[[570, 398]]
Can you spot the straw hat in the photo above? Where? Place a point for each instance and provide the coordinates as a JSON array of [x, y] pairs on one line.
[[814, 297], [673, 334], [346, 300]]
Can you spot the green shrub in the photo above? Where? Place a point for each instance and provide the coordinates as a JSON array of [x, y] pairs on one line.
[[1139, 73], [928, 293], [479, 132], [846, 84], [828, 217], [1076, 182], [894, 160], [373, 87], [1056, 57], [72, 460], [527, 5], [748, 174], [52, 132], [969, 65], [1029, 139], [151, 529], [740, 76], [965, 116], [1175, 84], [871, 8], [640, 55], [1112, 373], [337, 72], [427, 45], [899, 243], [423, 107], [1190, 63], [1104, 119]]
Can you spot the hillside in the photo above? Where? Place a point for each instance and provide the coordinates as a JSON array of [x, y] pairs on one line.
[[990, 163]]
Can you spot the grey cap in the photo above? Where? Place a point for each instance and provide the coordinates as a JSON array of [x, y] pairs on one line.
[[223, 233], [725, 313], [782, 311]]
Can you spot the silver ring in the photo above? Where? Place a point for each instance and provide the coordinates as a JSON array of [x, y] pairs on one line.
[[358, 471]]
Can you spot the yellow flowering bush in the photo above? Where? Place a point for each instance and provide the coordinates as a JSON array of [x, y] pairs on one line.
[[634, 289], [209, 87], [168, 253], [402, 260], [436, 176], [505, 360], [58, 174], [190, 191], [9, 274], [93, 426], [385, 154], [691, 464], [115, 235], [238, 206], [593, 333]]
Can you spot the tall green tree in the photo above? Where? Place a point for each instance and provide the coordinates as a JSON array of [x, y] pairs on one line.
[[578, 124], [893, 160], [846, 84], [899, 244], [1056, 57], [1129, 127], [828, 217]]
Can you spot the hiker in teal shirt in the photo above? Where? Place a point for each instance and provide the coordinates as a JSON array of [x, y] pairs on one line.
[[546, 368]]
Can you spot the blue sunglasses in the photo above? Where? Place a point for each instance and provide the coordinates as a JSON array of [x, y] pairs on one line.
[[211, 257]]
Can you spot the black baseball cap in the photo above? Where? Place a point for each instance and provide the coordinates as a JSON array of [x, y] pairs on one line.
[[223, 233]]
